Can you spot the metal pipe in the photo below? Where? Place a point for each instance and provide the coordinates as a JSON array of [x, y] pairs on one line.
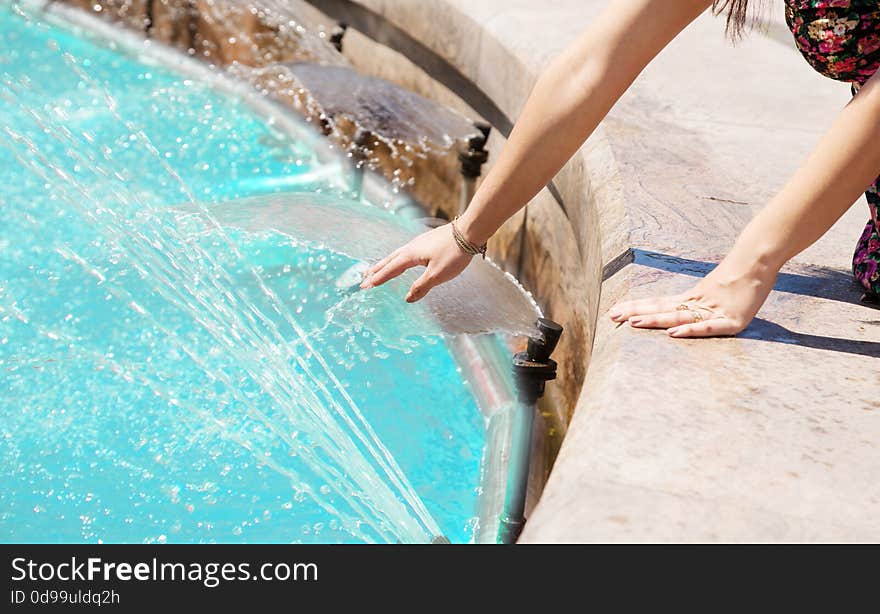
[[472, 159], [513, 517], [532, 370]]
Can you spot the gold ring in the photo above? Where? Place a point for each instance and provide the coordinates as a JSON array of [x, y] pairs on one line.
[[696, 315]]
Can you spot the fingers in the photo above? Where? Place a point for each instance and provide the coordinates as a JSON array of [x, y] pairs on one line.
[[626, 310], [680, 324], [391, 269], [719, 327], [421, 286], [662, 320], [381, 264]]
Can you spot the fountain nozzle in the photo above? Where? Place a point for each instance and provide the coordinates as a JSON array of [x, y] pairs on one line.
[[534, 367], [472, 158], [337, 34], [475, 155], [540, 348]]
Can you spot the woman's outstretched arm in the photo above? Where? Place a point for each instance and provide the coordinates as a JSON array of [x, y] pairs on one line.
[[842, 166], [566, 105]]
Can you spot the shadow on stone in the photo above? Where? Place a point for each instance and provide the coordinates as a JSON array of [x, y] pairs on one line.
[[764, 330], [815, 281]]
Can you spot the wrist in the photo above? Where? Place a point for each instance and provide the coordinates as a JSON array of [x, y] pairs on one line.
[[472, 230], [759, 256], [471, 249]]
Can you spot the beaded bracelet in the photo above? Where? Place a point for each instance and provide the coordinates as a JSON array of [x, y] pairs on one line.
[[466, 246]]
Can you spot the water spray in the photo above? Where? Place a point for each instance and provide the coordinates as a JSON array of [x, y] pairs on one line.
[[360, 155]]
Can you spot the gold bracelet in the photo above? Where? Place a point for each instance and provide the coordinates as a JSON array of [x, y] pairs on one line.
[[466, 246]]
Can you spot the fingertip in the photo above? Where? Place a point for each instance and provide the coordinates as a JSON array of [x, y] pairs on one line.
[[415, 295]]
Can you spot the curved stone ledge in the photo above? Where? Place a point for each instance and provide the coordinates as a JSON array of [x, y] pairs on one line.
[[772, 435]]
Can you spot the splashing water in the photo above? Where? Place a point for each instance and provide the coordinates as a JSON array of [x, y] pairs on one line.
[[251, 32], [388, 111], [399, 128], [165, 378], [282, 49], [483, 299]]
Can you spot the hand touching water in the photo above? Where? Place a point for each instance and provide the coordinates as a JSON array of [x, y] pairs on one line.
[[436, 250]]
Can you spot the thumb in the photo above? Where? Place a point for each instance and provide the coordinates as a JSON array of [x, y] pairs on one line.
[[421, 286]]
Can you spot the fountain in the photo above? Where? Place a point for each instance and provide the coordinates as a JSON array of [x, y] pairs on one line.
[[182, 353], [289, 55]]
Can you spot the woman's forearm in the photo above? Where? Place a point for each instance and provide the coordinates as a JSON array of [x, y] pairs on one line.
[[569, 101], [841, 167]]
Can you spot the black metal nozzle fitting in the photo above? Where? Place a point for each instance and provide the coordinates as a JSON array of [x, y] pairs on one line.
[[337, 34], [485, 130], [475, 155], [533, 368], [540, 348], [362, 137], [362, 141]]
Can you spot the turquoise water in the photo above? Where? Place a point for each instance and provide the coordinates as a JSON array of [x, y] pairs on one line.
[[166, 380]]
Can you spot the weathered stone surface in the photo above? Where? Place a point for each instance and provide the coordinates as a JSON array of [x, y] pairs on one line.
[[431, 177], [131, 13], [223, 31], [230, 31], [174, 22], [769, 436]]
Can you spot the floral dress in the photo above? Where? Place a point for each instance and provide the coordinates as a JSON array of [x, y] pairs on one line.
[[841, 39]]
